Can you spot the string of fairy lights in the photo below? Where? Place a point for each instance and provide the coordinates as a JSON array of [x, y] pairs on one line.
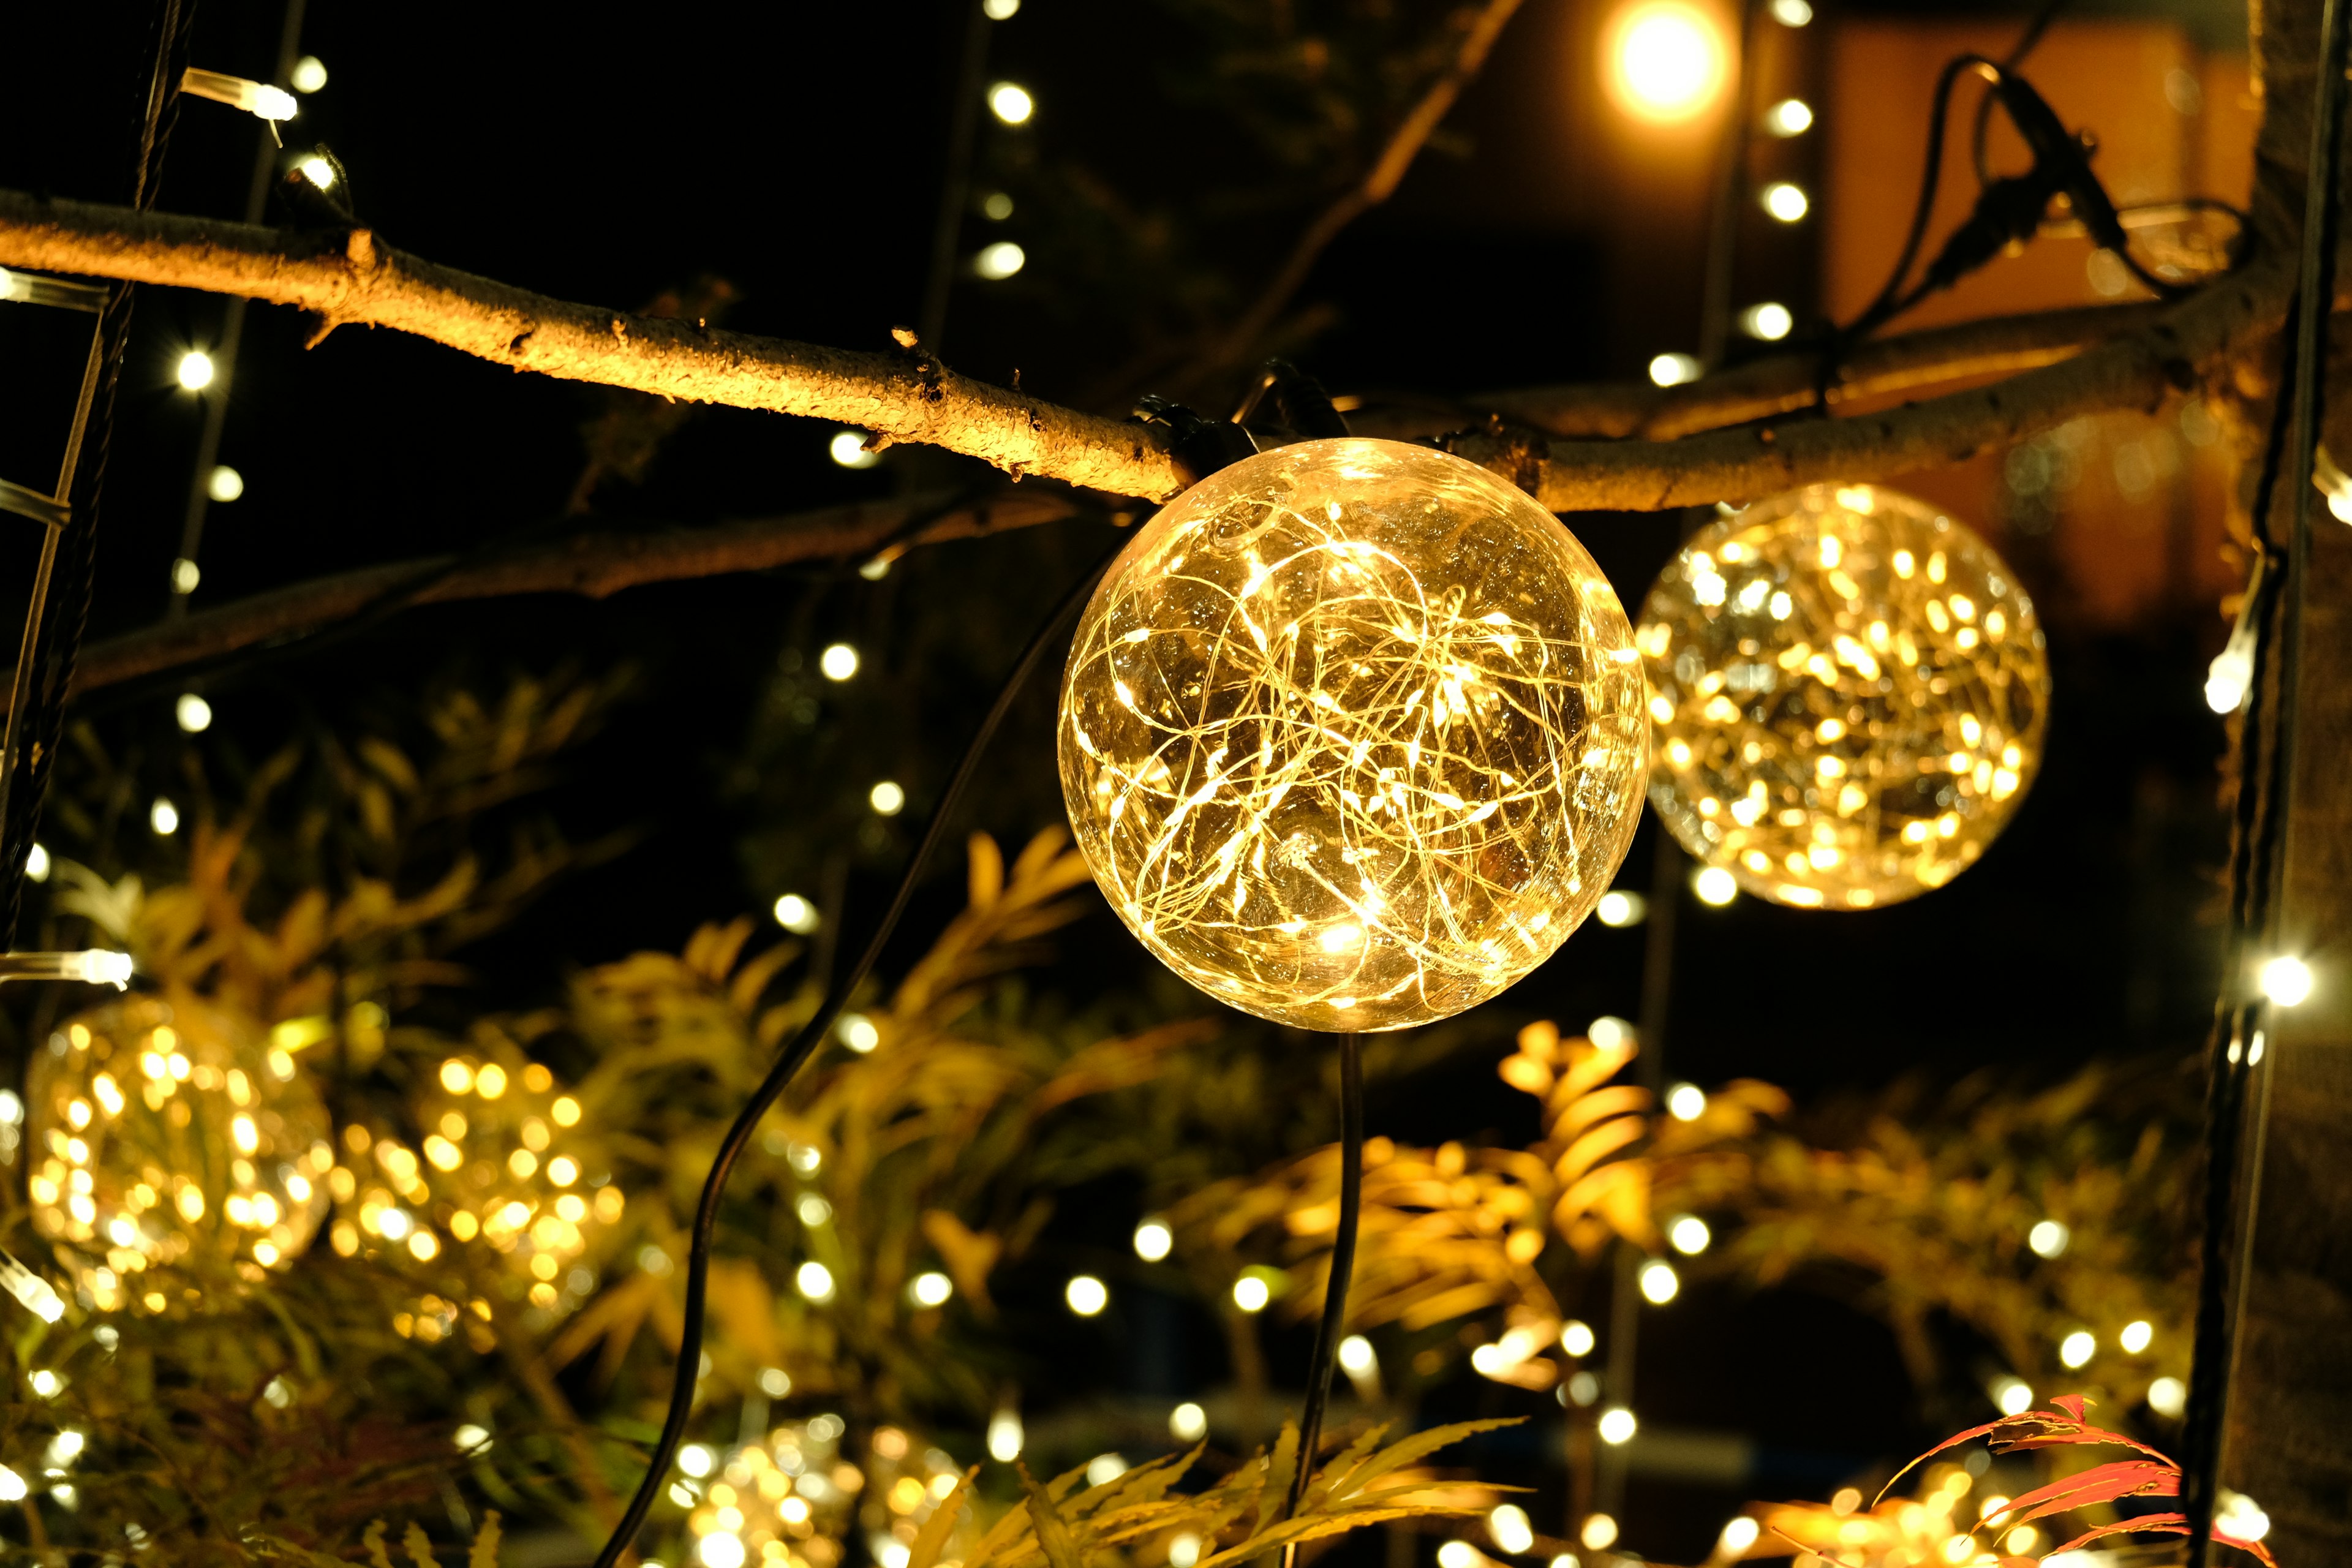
[[1352, 736]]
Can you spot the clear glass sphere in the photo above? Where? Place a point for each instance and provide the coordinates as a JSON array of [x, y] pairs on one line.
[[174, 1151], [1351, 734], [1848, 691], [503, 1192]]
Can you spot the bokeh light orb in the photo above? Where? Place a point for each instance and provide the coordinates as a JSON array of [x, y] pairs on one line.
[[1351, 734], [1848, 690], [1665, 60], [175, 1151]]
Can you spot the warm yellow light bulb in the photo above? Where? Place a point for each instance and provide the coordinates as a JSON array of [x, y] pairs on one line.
[[1667, 60], [1849, 690], [1351, 734], [171, 1163]]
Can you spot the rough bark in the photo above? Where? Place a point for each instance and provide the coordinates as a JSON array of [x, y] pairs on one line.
[[353, 279], [2174, 352], [594, 565]]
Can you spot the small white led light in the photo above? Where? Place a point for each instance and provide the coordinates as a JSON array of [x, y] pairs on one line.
[[319, 172], [1011, 103], [164, 817], [838, 661], [1789, 117], [887, 798], [1188, 1423], [224, 483], [1687, 1103], [2286, 981], [1617, 1426], [2076, 1349], [1621, 908], [1770, 320], [1673, 370], [1576, 1338], [2048, 1238], [194, 714], [1715, 886], [1153, 1240], [813, 1280], [796, 914], [930, 1289], [849, 448], [1000, 261], [1087, 1295], [196, 369], [1659, 1283], [310, 73], [1250, 1293], [1787, 203]]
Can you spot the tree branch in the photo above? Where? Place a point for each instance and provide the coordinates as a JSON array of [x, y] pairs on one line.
[[911, 397], [1380, 182], [596, 565], [1783, 384], [352, 278], [2178, 349]]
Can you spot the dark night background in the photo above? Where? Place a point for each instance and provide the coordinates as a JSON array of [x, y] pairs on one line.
[[604, 155]]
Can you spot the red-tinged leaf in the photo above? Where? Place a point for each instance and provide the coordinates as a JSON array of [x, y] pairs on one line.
[[2254, 1548], [2066, 1432], [2105, 1483], [1952, 1442], [2037, 1429], [2169, 1524], [2151, 1523]]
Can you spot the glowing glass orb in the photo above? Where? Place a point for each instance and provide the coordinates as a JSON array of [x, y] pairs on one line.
[[1665, 59], [501, 1172], [1848, 690], [178, 1153], [1351, 735]]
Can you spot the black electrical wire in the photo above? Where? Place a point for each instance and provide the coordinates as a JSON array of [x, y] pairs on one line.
[[1334, 1322], [61, 603], [803, 1044], [2303, 374], [2026, 42]]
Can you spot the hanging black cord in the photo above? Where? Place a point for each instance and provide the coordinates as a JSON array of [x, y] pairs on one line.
[[1334, 1323], [803, 1044], [2303, 384], [53, 643], [2025, 43]]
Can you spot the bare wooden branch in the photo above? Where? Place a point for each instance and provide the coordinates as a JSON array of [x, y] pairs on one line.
[[1378, 185], [596, 565], [1783, 384], [354, 279], [2140, 370], [909, 398]]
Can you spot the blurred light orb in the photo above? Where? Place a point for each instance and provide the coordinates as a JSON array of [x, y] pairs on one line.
[[1786, 202], [224, 483], [1087, 1295], [849, 449], [2286, 981], [2167, 1396], [179, 1153], [194, 370], [1618, 1425], [1789, 117], [310, 73], [1011, 103], [1667, 60], [1848, 690], [1770, 320], [1621, 908], [1659, 1283], [1715, 886], [1351, 735], [1673, 370]]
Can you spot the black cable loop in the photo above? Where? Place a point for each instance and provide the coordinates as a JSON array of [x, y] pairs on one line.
[[803, 1044]]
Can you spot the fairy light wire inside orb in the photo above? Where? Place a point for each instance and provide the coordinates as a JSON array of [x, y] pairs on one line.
[[1848, 690], [1351, 734]]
